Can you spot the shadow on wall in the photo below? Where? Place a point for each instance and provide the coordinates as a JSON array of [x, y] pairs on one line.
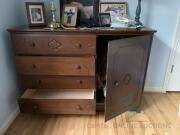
[[158, 60], [10, 80]]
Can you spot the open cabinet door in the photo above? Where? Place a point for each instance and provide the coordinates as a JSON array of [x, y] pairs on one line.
[[126, 71]]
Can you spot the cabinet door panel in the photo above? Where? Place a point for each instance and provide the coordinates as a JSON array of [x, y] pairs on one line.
[[126, 70]]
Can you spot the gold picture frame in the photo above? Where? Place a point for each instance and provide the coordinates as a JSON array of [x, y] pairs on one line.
[[110, 7], [69, 16]]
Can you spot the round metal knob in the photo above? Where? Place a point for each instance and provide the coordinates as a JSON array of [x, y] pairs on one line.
[[80, 108], [116, 83], [35, 107], [80, 81], [34, 66], [78, 45], [78, 67], [33, 44]]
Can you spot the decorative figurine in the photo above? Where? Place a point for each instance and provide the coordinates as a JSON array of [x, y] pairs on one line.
[[53, 23]]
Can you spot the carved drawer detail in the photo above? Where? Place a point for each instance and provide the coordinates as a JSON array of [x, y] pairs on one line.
[[52, 44], [55, 45]]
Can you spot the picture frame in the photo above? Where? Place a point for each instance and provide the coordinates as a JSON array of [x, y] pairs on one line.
[[89, 16], [36, 13], [69, 16], [105, 19], [114, 8]]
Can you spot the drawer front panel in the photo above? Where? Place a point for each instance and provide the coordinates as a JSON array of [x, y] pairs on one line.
[[57, 106], [49, 44], [58, 82], [57, 102], [82, 66]]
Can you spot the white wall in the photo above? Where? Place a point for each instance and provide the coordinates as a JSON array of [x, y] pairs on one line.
[[10, 15], [162, 16]]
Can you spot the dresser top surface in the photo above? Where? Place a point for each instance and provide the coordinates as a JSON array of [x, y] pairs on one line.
[[97, 31]]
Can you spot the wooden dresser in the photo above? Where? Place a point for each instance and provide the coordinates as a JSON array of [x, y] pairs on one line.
[[65, 72]]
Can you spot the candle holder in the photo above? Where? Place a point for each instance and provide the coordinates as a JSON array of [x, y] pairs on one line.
[[53, 23], [138, 13]]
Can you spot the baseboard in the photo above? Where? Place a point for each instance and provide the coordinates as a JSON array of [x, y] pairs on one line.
[[9, 121], [154, 89]]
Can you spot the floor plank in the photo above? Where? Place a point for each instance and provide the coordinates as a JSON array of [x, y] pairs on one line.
[[159, 117]]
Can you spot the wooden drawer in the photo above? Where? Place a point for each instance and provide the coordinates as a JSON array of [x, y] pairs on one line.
[[58, 102], [82, 66], [52, 44], [58, 82]]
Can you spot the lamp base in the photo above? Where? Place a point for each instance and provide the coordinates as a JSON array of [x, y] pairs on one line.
[[54, 25], [139, 24]]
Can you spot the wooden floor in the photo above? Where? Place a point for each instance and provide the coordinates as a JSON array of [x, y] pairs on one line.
[[159, 117]]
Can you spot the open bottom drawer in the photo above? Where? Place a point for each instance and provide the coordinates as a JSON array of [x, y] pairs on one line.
[[58, 101]]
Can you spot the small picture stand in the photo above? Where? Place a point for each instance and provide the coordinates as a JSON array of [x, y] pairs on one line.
[[105, 19]]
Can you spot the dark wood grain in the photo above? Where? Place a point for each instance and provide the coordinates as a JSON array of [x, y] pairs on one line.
[[75, 66], [125, 73], [52, 44], [58, 82], [29, 104], [120, 31], [65, 59], [55, 106]]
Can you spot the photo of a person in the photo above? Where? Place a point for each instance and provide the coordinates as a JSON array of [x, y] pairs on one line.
[[36, 14], [69, 15]]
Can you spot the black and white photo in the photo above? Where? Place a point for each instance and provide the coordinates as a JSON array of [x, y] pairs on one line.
[[69, 15], [35, 13]]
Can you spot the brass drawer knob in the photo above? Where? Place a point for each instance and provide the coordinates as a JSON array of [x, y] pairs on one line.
[[78, 45], [78, 67], [33, 44], [116, 83], [80, 108], [34, 66], [80, 81]]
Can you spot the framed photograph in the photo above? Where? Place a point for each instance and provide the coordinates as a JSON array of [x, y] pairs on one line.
[[88, 11], [36, 14], [105, 19], [116, 9], [69, 17]]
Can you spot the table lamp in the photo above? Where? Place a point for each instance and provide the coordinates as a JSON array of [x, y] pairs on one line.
[[138, 13]]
